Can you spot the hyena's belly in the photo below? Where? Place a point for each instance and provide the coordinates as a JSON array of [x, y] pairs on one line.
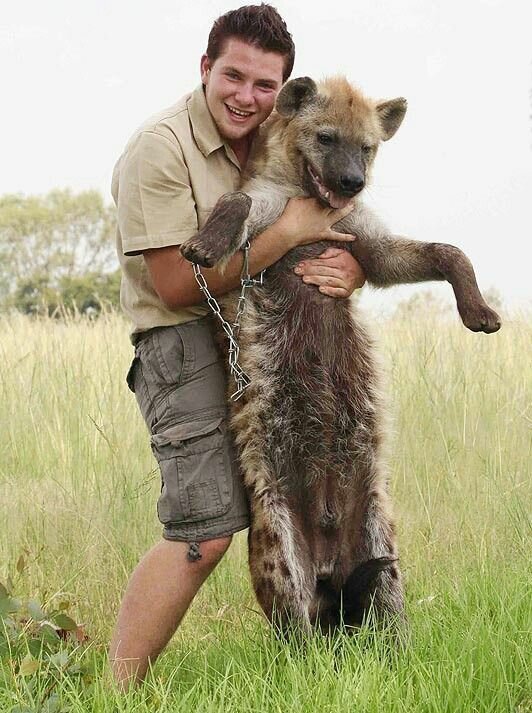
[[308, 431], [314, 382], [307, 427]]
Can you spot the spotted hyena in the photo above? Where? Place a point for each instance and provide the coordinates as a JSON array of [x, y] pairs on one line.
[[310, 427]]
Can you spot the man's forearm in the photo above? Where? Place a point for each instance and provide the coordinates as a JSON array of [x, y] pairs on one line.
[[173, 277]]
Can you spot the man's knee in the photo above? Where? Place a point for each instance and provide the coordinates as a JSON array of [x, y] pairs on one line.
[[209, 552]]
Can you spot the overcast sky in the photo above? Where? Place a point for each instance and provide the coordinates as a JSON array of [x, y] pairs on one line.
[[77, 78]]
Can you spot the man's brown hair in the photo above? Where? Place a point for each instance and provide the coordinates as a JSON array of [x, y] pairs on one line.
[[259, 25]]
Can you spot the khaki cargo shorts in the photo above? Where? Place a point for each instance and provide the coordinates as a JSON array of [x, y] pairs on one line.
[[179, 381]]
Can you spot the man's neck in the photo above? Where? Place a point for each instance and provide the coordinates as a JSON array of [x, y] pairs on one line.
[[242, 147]]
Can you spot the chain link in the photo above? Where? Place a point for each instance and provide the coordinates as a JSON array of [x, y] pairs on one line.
[[242, 380]]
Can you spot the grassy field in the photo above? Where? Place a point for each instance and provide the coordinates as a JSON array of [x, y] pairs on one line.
[[77, 510]]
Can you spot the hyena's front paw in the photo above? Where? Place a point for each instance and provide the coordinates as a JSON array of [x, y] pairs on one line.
[[222, 234], [478, 317], [200, 251]]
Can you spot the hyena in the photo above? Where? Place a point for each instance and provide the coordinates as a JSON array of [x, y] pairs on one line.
[[310, 427]]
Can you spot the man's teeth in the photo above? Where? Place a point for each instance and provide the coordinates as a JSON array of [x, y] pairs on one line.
[[238, 112]]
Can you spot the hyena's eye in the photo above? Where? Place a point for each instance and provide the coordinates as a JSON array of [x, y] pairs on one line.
[[366, 150], [325, 138]]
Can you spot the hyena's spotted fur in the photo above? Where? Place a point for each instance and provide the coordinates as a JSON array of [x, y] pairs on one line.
[[311, 426]]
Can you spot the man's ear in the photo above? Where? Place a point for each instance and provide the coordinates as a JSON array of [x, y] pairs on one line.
[[295, 94], [391, 114], [205, 68]]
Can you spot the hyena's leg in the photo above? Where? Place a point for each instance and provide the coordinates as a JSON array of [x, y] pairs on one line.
[[223, 233], [399, 260], [376, 580], [279, 571], [392, 260], [348, 605]]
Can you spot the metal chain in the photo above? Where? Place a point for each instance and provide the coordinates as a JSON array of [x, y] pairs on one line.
[[242, 380]]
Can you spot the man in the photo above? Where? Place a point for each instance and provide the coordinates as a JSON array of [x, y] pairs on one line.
[[165, 184]]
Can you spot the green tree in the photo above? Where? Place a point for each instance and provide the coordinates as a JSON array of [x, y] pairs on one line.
[[57, 249], [86, 294]]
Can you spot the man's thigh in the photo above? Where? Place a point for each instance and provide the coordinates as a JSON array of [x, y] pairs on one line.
[[179, 381]]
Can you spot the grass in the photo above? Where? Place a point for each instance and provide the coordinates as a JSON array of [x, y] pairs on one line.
[[77, 510]]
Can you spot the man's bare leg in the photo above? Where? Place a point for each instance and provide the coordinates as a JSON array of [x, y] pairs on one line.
[[158, 594]]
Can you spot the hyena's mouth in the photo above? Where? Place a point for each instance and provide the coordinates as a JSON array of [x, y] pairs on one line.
[[332, 199]]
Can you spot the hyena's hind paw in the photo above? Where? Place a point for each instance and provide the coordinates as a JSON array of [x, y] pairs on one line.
[[223, 233], [375, 581]]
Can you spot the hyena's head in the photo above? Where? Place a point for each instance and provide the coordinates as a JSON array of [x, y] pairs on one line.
[[331, 135]]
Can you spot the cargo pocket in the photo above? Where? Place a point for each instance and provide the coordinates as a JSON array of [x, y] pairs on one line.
[[130, 376], [196, 473]]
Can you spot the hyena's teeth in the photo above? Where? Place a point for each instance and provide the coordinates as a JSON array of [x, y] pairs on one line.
[[327, 194]]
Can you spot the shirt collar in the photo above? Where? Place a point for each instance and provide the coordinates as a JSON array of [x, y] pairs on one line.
[[203, 127]]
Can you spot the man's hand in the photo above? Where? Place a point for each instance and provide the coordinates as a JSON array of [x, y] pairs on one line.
[[335, 272], [305, 220]]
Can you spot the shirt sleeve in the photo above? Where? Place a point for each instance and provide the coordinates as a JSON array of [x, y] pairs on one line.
[[156, 207]]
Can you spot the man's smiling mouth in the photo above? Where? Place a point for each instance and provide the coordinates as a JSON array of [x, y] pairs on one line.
[[238, 112]]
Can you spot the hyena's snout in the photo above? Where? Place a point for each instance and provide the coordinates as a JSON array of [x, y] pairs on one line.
[[351, 183], [348, 174], [345, 175], [336, 183]]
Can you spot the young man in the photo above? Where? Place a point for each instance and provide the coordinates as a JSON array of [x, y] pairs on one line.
[[166, 182]]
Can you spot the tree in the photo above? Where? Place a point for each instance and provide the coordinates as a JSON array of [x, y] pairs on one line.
[[57, 249], [86, 294]]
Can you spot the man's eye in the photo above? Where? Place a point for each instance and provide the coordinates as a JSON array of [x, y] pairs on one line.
[[325, 138]]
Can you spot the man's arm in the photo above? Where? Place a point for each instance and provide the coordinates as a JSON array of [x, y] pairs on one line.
[[303, 221], [173, 277]]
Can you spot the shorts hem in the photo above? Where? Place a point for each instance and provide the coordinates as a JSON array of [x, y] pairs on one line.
[[201, 534]]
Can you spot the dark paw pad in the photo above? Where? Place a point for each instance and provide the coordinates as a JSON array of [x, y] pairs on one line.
[[194, 250]]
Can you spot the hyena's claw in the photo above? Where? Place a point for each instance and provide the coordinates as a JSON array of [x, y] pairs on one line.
[[481, 318], [195, 250]]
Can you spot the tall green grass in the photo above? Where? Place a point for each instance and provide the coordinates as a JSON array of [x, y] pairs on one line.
[[77, 500]]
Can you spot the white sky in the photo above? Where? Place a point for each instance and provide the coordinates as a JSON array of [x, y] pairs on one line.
[[77, 78]]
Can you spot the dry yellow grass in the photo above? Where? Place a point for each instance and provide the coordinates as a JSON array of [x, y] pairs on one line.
[[78, 484]]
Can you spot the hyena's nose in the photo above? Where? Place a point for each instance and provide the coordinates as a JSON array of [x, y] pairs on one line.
[[352, 183]]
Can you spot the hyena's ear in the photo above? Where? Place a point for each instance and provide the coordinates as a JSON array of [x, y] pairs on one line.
[[294, 95], [391, 114]]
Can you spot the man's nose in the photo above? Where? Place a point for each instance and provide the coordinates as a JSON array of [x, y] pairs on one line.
[[244, 94]]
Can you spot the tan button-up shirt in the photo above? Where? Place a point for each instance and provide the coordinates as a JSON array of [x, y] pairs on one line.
[[165, 184]]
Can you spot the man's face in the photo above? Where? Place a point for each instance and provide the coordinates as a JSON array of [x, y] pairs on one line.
[[241, 87]]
